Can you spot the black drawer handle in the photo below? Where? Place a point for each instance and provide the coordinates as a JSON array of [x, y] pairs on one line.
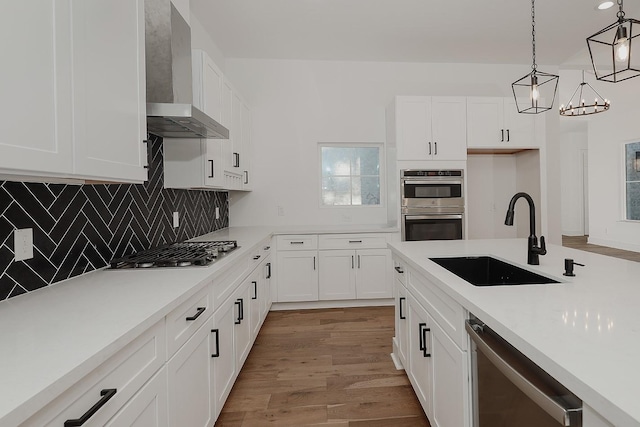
[[238, 319], [236, 160], [355, 241], [266, 248], [296, 243], [217, 332], [106, 394], [256, 257], [399, 269], [255, 289], [423, 339], [212, 174], [198, 313], [402, 316], [268, 270], [240, 303]]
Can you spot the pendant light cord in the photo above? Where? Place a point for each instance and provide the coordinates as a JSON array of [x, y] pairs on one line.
[[620, 13], [533, 33]]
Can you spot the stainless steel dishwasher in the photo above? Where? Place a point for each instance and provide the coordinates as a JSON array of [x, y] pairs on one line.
[[510, 390]]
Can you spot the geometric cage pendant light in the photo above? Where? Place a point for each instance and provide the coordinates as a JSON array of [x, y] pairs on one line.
[[535, 92], [615, 55], [584, 101]]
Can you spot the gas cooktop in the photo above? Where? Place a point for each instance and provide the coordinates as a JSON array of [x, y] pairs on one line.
[[182, 254]]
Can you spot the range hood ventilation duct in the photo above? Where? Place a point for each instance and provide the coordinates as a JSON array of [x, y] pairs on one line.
[[170, 110]]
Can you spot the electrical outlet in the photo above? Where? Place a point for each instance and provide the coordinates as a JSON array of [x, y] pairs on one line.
[[23, 244], [176, 220], [217, 212]]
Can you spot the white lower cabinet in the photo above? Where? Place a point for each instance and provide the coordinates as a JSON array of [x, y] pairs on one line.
[[435, 363], [242, 324], [189, 379], [223, 354], [297, 276], [148, 408], [349, 274]]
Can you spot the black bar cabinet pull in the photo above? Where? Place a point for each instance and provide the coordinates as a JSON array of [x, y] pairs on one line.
[[435, 144], [352, 261], [217, 332], [106, 394], [241, 308], [256, 257], [198, 313], [421, 335], [238, 320], [355, 241], [314, 263], [236, 160], [502, 132], [358, 261], [266, 248], [296, 243], [402, 316], [424, 338], [246, 177], [268, 270], [507, 135], [211, 174], [399, 269], [255, 289], [429, 147]]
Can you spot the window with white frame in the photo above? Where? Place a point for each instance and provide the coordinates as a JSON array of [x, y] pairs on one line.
[[350, 174], [632, 181]]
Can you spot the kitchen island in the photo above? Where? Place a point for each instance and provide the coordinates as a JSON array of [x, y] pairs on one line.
[[581, 331]]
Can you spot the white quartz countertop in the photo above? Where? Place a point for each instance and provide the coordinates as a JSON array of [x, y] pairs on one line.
[[583, 331], [53, 337]]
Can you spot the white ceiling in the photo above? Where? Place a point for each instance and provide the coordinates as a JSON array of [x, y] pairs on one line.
[[472, 31]]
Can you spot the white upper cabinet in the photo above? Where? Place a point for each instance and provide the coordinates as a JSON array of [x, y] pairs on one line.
[[495, 123], [207, 85], [76, 89], [430, 128], [109, 89]]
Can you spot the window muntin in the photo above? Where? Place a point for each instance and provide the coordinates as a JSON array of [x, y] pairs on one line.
[[350, 175]]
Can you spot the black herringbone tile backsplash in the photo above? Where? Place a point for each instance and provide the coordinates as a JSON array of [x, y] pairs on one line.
[[79, 228]]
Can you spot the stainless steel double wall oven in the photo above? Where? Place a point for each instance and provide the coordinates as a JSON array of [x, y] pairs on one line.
[[432, 204]]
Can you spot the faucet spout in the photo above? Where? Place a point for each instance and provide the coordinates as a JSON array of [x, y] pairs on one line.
[[533, 250]]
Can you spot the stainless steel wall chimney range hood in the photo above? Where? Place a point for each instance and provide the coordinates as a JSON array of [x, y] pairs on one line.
[[170, 110]]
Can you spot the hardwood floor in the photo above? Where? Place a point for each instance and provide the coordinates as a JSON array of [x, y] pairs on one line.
[[580, 242], [323, 368]]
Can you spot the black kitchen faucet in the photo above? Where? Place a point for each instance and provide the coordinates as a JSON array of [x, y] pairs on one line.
[[533, 250]]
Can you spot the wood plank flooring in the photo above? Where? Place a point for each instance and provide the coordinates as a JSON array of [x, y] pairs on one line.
[[323, 368], [580, 242]]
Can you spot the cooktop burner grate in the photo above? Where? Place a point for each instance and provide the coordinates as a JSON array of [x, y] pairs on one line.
[[182, 254]]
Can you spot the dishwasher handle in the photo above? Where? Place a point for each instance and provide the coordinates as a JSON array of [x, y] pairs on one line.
[[567, 415]]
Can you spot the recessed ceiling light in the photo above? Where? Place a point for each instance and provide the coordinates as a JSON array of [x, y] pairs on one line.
[[602, 5]]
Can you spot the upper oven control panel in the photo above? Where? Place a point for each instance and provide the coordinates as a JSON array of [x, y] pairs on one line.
[[430, 173]]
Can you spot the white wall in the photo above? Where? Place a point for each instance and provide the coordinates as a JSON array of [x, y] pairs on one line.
[[606, 135], [296, 104], [573, 144]]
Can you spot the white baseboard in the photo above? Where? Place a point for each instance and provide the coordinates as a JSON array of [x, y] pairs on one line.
[[396, 361], [310, 305], [614, 244], [573, 233]]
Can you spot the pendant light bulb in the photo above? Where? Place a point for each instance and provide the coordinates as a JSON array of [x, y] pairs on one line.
[[622, 44], [535, 93]]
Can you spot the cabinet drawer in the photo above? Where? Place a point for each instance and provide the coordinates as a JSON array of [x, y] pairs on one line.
[[125, 372], [445, 310], [297, 242], [352, 241], [400, 271], [227, 282], [186, 319]]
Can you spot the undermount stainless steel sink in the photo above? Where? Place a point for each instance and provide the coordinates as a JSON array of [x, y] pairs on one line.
[[488, 271]]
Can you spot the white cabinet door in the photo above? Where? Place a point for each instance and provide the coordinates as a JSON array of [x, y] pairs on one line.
[[297, 276], [373, 273], [109, 93], [414, 128], [242, 324], [148, 408], [257, 295], [449, 128], [189, 377], [485, 127], [402, 326], [420, 352], [213, 172], [520, 128], [267, 300], [211, 88], [236, 129], [450, 373], [36, 87], [337, 270], [223, 354]]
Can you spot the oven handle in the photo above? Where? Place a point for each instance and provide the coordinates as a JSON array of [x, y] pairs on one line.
[[566, 416], [435, 216], [435, 181]]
